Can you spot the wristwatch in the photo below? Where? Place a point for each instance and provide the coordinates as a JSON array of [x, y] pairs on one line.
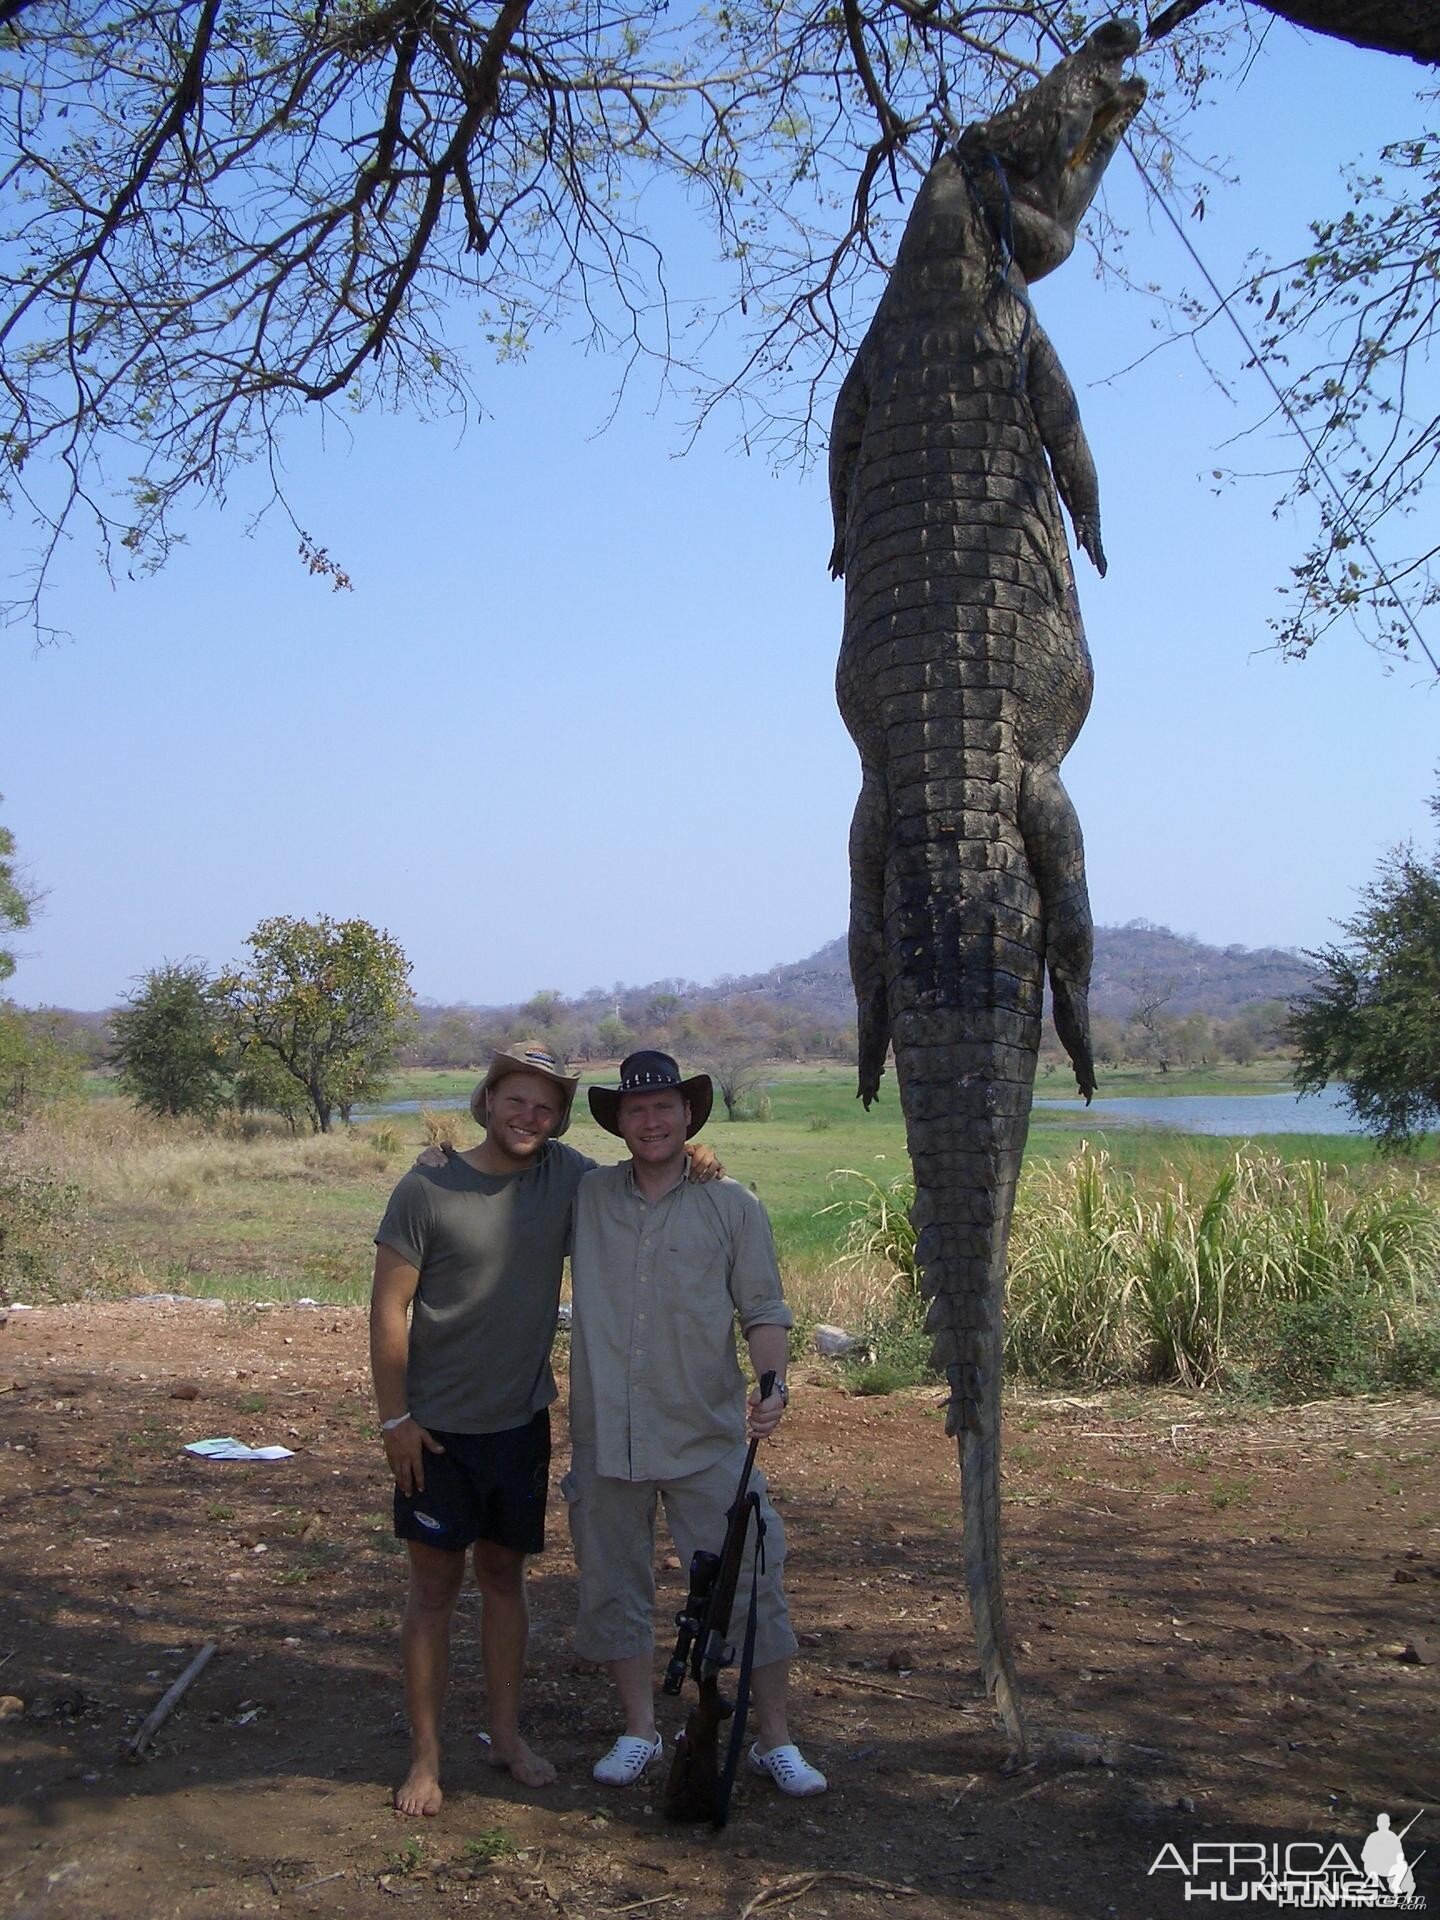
[[784, 1393]]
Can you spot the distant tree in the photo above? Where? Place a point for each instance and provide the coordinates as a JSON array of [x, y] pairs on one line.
[[1373, 1020], [453, 1041], [262, 1085], [1152, 1036], [323, 1004], [1194, 1042], [662, 1009], [39, 1062], [170, 1042], [16, 900], [1236, 1040], [734, 1065], [543, 1010], [614, 1038]]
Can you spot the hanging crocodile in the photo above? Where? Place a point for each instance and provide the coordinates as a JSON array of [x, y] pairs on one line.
[[964, 679]]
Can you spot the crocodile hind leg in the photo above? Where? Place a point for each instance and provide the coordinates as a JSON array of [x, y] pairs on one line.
[[869, 837], [1055, 849]]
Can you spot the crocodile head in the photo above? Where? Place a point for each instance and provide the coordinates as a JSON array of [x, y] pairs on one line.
[[1053, 144]]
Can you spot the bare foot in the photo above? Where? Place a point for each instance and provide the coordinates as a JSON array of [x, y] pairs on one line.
[[531, 1769], [419, 1792]]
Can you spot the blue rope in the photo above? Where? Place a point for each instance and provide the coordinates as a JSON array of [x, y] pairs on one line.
[[1005, 245]]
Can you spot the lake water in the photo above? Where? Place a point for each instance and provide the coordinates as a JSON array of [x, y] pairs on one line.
[[1228, 1113]]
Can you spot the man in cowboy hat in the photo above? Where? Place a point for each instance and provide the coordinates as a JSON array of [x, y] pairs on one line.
[[468, 1266], [659, 1270]]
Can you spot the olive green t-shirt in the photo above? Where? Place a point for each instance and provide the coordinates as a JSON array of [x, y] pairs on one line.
[[490, 1249]]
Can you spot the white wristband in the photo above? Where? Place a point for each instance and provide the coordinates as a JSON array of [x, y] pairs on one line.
[[389, 1426]]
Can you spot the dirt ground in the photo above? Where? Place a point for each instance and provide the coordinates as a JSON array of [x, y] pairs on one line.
[[1227, 1622]]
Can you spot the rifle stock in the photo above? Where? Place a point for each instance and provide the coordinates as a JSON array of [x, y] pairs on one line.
[[696, 1788]]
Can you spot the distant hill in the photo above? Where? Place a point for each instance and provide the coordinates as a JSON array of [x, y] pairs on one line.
[[1129, 961]]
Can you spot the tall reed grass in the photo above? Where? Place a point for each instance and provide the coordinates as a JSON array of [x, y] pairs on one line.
[[1288, 1276]]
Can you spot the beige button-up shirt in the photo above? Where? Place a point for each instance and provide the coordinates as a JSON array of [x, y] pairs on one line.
[[655, 1385]]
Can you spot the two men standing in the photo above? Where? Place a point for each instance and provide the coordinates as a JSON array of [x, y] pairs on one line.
[[472, 1250]]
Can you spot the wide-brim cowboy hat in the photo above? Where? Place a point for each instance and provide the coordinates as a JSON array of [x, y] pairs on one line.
[[526, 1056], [651, 1072]]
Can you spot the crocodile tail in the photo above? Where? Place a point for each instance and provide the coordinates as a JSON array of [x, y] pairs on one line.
[[980, 1493], [963, 1275], [966, 971]]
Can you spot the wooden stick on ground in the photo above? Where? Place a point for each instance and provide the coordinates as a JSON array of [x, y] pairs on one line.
[[168, 1701], [780, 1892]]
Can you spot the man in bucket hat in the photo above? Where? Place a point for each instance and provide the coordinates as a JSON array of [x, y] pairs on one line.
[[468, 1266], [659, 1270]]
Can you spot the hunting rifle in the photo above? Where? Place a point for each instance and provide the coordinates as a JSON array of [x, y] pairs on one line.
[[698, 1788]]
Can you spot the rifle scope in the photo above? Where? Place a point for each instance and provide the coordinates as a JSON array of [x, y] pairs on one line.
[[703, 1569]]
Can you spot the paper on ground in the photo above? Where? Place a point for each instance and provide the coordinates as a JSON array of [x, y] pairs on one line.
[[228, 1449]]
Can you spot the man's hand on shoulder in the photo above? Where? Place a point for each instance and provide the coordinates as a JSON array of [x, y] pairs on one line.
[[431, 1156], [405, 1449], [702, 1163]]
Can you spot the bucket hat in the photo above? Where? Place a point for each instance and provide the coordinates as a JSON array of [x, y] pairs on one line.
[[651, 1072], [526, 1056]]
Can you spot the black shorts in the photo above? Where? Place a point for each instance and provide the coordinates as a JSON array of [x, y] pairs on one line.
[[485, 1486]]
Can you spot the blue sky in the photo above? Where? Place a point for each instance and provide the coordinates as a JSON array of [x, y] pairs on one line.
[[575, 724]]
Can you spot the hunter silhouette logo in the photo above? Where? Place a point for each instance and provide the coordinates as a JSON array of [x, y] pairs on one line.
[[1312, 1874]]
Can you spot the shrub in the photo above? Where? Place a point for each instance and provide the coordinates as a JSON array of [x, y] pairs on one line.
[[38, 1213]]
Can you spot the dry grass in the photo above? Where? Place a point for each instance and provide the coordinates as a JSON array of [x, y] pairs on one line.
[[121, 1156]]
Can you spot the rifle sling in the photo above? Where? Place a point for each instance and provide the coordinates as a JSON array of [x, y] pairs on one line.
[[742, 1684]]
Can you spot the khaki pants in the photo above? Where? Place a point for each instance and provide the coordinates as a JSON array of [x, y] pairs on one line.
[[612, 1525]]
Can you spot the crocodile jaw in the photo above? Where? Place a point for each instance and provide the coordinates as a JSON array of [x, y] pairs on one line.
[[1055, 143]]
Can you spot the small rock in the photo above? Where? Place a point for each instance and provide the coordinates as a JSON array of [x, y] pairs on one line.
[[1404, 1577], [184, 1390], [671, 1563], [811, 1639], [1185, 1803], [1416, 1653], [834, 1342], [11, 1706], [1076, 1750], [900, 1660]]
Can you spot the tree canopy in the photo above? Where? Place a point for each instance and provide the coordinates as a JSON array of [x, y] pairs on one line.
[[212, 217], [1373, 1020], [16, 900], [321, 1007], [170, 1044]]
